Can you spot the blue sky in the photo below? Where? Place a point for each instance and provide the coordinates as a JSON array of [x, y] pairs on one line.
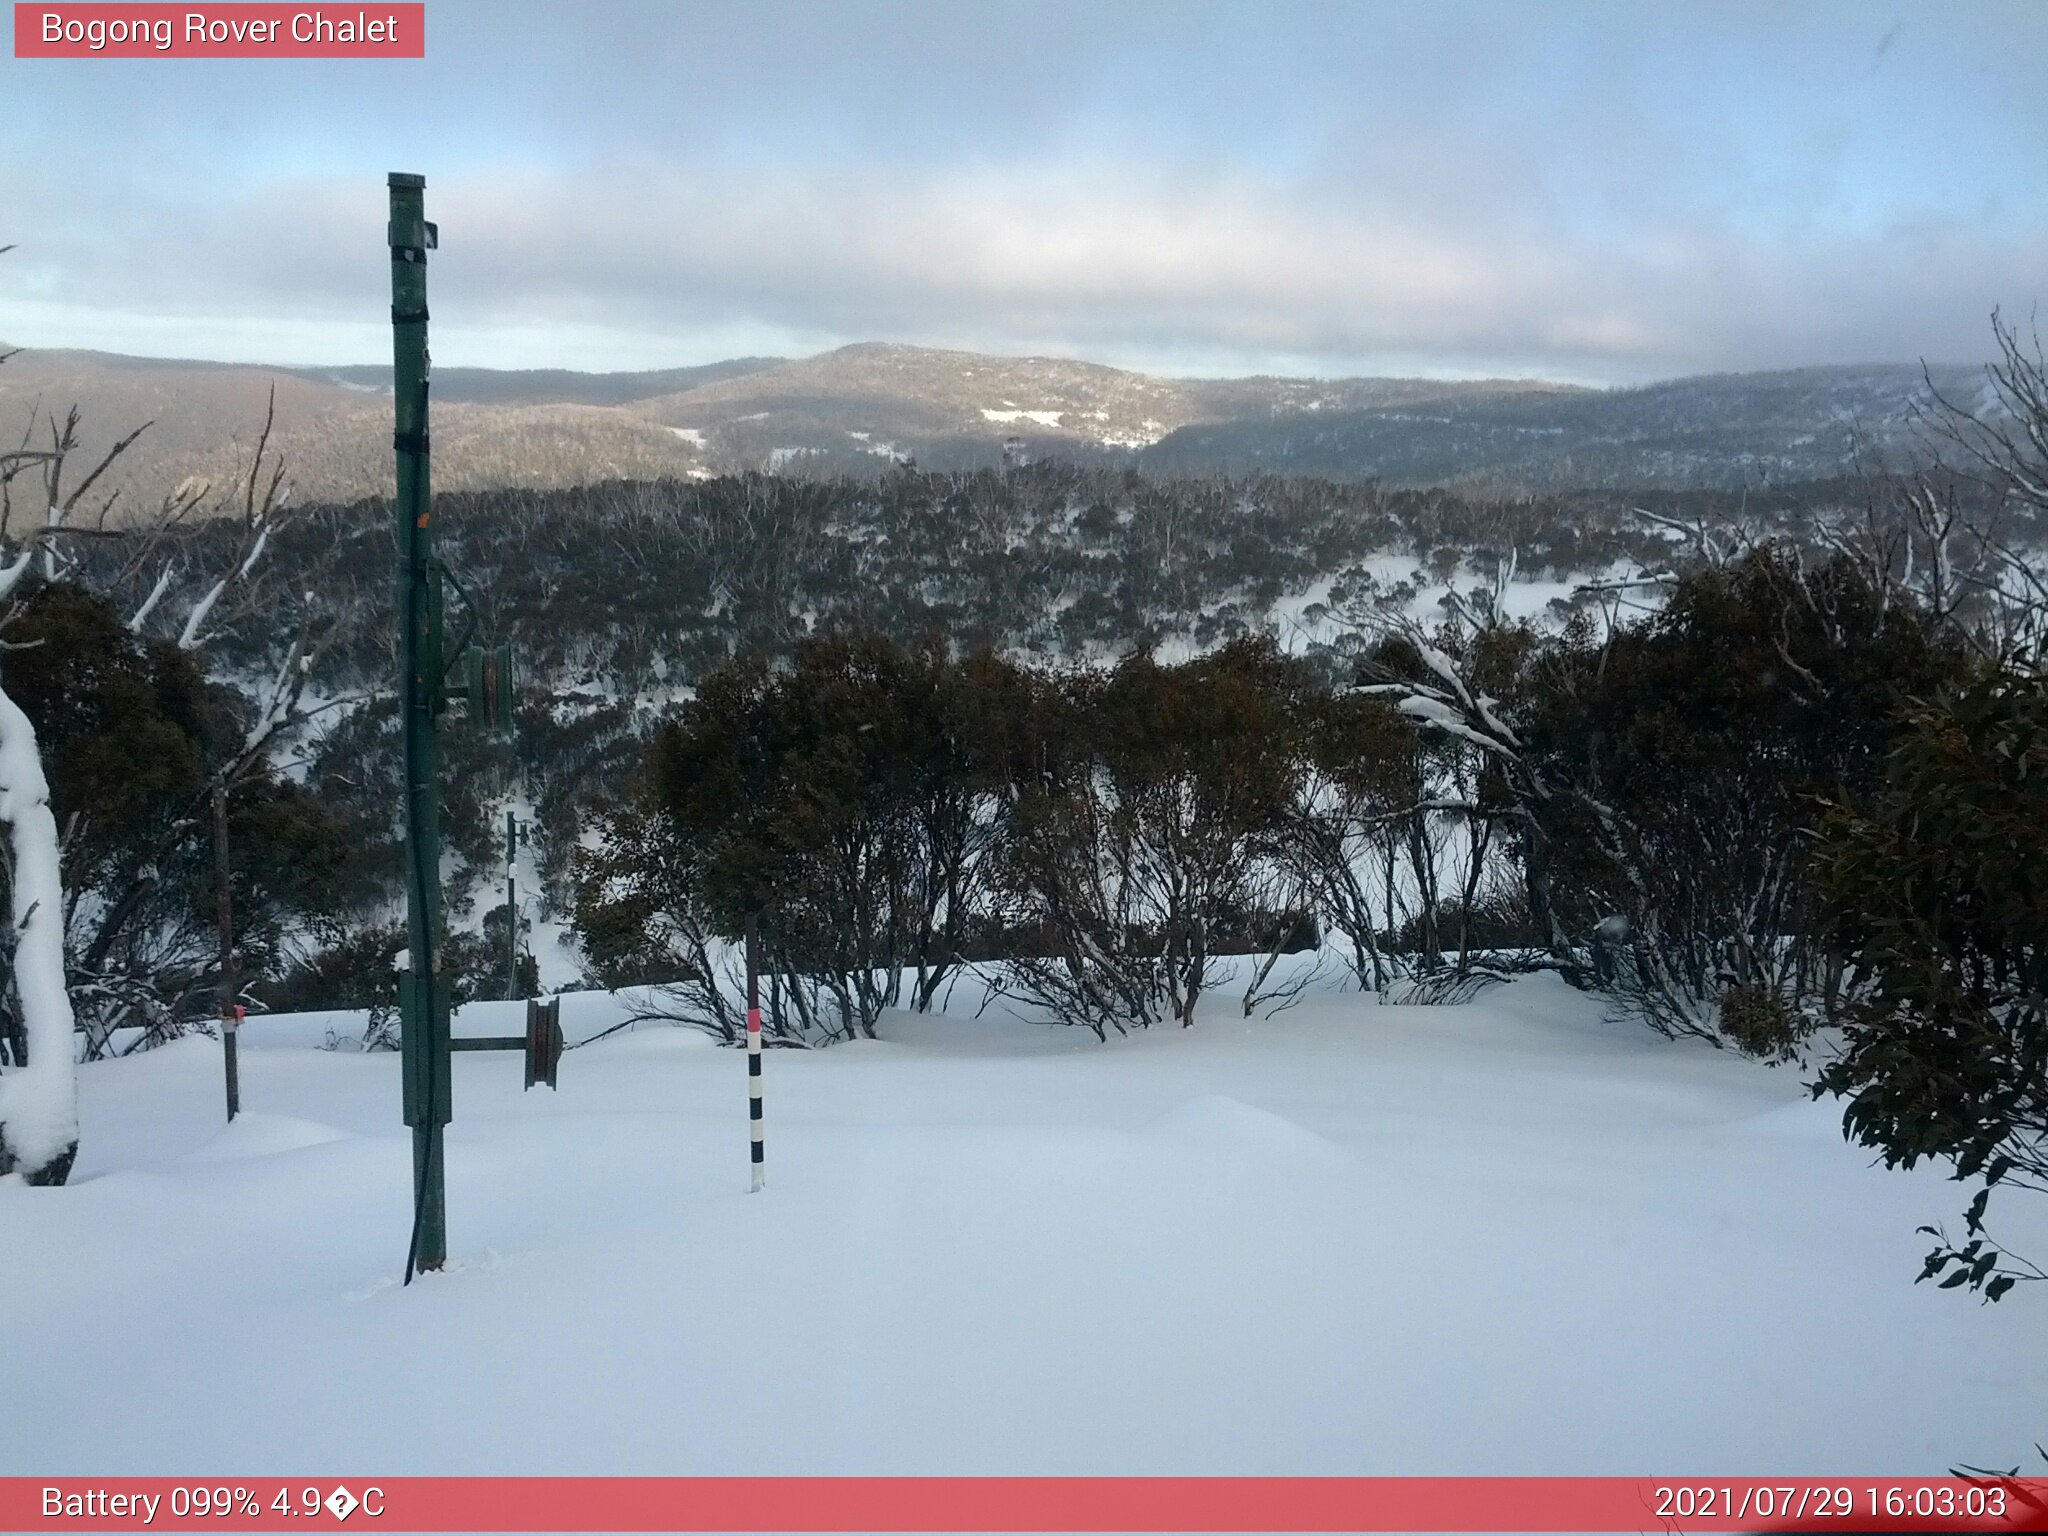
[[1604, 192]]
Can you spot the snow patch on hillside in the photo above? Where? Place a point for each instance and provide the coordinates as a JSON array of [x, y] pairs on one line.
[[1043, 418]]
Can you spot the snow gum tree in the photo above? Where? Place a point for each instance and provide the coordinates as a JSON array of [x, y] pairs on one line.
[[1662, 779], [1938, 891], [1936, 879], [39, 1095], [1468, 687], [1138, 847], [844, 804], [1345, 829], [1693, 751], [49, 530]]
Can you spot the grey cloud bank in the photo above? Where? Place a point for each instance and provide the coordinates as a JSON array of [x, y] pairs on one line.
[[1589, 192]]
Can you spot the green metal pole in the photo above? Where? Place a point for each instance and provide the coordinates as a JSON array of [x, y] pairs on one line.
[[423, 990]]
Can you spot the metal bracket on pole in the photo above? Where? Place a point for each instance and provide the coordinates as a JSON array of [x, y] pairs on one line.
[[543, 1040]]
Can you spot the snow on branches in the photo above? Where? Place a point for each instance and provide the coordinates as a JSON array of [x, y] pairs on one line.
[[38, 1102], [38, 1093]]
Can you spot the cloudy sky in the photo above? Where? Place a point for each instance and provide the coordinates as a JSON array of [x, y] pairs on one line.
[[1598, 192]]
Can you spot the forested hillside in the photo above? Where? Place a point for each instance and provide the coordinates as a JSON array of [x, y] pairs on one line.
[[1733, 431], [620, 600], [863, 410]]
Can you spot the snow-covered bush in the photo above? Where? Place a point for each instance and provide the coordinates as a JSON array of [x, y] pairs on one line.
[[1152, 822], [842, 806], [1760, 1023], [1687, 756]]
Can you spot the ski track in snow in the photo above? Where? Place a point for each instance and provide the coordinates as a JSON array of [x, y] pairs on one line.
[[1510, 1237]]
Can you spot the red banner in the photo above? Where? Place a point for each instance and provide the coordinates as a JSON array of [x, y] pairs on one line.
[[1845, 1504], [262, 31]]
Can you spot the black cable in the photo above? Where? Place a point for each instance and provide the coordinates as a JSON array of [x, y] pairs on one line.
[[419, 1194], [420, 892], [419, 1200]]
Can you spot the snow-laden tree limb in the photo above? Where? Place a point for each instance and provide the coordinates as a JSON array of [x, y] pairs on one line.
[[14, 570], [260, 513], [141, 615], [1435, 712]]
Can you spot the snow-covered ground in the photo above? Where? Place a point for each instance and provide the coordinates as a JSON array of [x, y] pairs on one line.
[[1508, 1237]]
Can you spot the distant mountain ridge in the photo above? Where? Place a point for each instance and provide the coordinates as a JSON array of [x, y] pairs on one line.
[[1721, 430], [858, 409], [951, 409]]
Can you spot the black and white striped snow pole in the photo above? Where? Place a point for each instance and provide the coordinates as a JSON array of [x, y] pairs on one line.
[[754, 1132]]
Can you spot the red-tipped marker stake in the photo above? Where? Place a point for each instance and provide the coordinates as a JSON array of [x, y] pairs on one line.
[[760, 1171]]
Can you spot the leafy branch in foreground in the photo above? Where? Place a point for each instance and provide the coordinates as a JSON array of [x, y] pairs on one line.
[[1938, 890]]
